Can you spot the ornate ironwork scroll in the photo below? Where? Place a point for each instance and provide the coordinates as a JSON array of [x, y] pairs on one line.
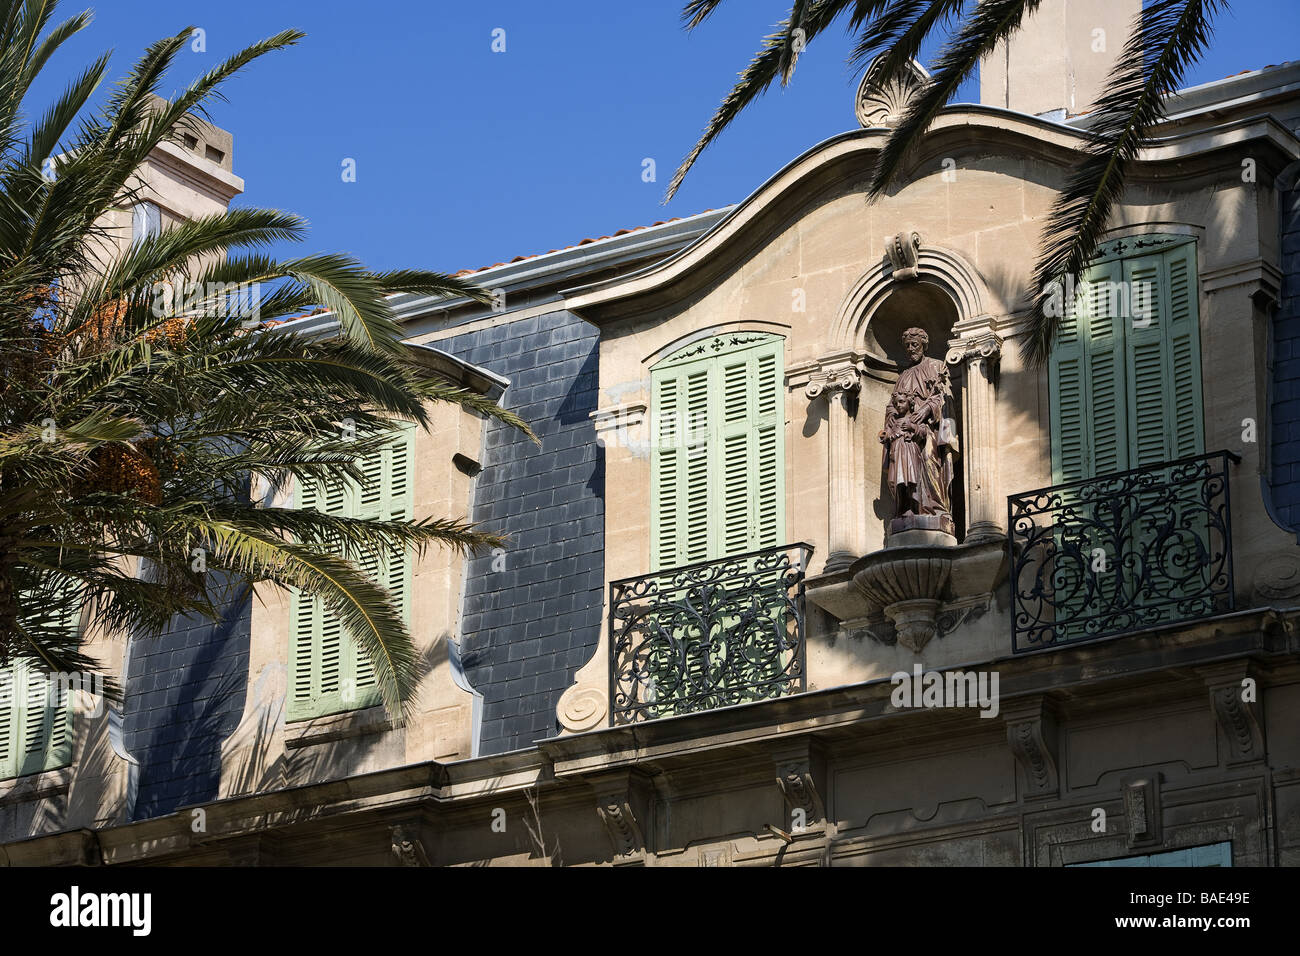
[[708, 635], [1111, 555]]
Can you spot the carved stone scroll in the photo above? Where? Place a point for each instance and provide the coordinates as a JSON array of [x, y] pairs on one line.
[[1031, 734]]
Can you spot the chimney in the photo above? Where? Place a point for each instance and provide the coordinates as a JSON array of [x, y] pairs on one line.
[[1057, 63]]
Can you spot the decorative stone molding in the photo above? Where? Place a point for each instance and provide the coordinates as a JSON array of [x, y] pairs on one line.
[[903, 251], [1032, 736], [883, 102], [407, 848], [1277, 579], [910, 595], [1142, 810], [830, 378], [623, 804], [801, 777], [907, 584], [1235, 696], [982, 345], [622, 426], [947, 270], [582, 707]]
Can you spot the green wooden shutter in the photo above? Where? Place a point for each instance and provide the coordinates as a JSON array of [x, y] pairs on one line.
[[1184, 338], [331, 673], [1087, 382], [35, 721], [1125, 376], [8, 721], [717, 466]]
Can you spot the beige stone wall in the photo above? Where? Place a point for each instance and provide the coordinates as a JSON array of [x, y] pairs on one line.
[[977, 202], [92, 791], [265, 752], [1060, 58]]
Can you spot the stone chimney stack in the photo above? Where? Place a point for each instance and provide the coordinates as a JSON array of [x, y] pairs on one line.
[[1056, 65]]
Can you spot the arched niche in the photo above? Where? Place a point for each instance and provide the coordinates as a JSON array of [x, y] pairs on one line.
[[913, 285], [934, 285]]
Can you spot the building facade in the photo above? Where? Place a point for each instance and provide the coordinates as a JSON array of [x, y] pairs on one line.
[[704, 646]]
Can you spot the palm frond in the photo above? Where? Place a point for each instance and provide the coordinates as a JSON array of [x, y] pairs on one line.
[[991, 22], [1168, 36]]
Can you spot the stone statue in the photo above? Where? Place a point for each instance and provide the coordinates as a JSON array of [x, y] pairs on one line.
[[920, 441]]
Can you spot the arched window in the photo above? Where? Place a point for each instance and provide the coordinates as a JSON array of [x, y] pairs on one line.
[[717, 460], [1126, 365], [328, 672]]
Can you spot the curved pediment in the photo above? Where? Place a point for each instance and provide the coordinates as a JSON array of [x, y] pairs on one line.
[[996, 138]]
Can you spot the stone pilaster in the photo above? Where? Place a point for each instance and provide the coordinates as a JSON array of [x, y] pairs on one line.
[[838, 379], [985, 510]]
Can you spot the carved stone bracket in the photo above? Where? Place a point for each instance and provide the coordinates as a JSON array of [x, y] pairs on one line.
[[623, 802], [1235, 696], [801, 777], [1142, 810], [1032, 736], [904, 252], [408, 850]]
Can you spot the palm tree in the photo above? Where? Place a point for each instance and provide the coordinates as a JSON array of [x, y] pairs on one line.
[[1167, 37], [134, 422]]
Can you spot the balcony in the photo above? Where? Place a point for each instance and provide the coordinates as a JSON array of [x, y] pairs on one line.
[[1127, 552], [708, 635]]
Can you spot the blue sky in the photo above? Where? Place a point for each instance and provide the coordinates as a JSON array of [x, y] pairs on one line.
[[466, 157]]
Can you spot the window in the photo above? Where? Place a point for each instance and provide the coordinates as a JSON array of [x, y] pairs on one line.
[[1218, 854], [1125, 371], [1125, 380], [329, 673], [717, 464], [35, 721], [146, 220], [36, 710]]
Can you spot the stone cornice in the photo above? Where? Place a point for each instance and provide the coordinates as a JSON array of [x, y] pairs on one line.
[[854, 715]]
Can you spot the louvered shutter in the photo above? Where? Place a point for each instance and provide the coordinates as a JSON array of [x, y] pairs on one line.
[[770, 429], [8, 721], [36, 712], [1087, 381], [717, 465], [680, 519], [737, 471], [1125, 393], [35, 721], [1184, 338], [331, 673], [1164, 392]]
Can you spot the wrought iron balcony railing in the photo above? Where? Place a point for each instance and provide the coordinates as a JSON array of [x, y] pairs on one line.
[[708, 635], [1126, 552]]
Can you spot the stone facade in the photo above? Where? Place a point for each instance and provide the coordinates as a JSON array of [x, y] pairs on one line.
[[1164, 738]]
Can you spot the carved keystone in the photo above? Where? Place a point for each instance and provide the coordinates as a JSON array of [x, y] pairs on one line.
[[801, 776], [623, 802], [1032, 736], [1235, 696]]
